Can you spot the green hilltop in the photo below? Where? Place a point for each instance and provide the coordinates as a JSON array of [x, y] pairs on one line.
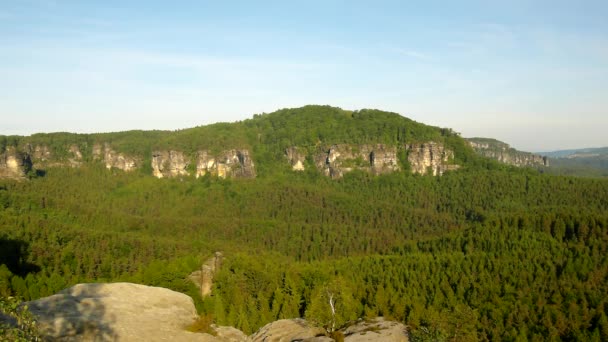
[[266, 135]]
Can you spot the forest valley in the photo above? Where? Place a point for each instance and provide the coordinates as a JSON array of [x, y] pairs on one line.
[[484, 252]]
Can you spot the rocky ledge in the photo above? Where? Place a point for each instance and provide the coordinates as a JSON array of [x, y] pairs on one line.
[[132, 312]]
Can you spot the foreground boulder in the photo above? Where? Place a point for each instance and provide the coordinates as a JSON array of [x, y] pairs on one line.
[[286, 330], [116, 312], [376, 329]]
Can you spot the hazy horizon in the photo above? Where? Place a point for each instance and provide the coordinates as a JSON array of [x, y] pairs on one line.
[[533, 75]]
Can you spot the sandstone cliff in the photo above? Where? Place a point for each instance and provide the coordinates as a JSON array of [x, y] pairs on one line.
[[504, 153], [227, 164], [39, 154], [113, 159], [296, 158], [430, 158], [203, 278], [333, 160], [169, 164], [76, 159], [339, 159], [336, 160], [14, 164]]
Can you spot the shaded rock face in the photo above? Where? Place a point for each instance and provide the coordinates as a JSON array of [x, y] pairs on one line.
[[116, 312], [376, 330], [504, 153], [228, 164], [286, 330], [38, 154], [296, 158], [169, 164], [430, 157], [112, 159], [339, 159], [203, 278], [14, 164]]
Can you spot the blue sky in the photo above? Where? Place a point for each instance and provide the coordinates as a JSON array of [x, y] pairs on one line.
[[531, 73]]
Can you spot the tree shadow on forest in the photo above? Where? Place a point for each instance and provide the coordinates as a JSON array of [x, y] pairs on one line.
[[78, 311], [13, 254]]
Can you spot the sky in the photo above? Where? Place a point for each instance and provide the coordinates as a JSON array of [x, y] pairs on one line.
[[531, 73]]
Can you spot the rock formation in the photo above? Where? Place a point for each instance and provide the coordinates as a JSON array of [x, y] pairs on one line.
[[342, 158], [228, 164], [132, 312], [76, 159], [116, 312], [286, 330], [203, 278], [14, 164], [504, 153], [297, 329], [296, 158], [430, 157], [112, 159], [39, 154], [376, 329], [169, 164]]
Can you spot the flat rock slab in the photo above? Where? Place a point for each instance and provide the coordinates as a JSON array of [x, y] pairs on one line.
[[116, 312], [286, 330], [376, 329]]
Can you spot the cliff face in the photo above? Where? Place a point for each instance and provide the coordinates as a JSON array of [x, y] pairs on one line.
[[203, 278], [502, 152], [14, 164], [430, 157], [228, 164], [333, 161], [342, 158], [39, 154], [76, 159], [296, 158], [112, 159], [169, 164], [377, 159]]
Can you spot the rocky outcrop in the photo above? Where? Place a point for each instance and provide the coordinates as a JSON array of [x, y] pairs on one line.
[[39, 154], [296, 158], [228, 334], [169, 164], [113, 159], [430, 158], [14, 164], [491, 148], [376, 329], [286, 330], [203, 278], [116, 312], [132, 312], [298, 329], [76, 159], [342, 158], [227, 164]]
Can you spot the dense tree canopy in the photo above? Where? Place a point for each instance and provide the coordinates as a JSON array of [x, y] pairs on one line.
[[482, 253]]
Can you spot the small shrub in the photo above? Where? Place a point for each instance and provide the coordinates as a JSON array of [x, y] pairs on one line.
[[203, 325]]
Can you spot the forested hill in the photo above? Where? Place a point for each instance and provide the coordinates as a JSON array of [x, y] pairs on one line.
[[484, 252], [262, 141]]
